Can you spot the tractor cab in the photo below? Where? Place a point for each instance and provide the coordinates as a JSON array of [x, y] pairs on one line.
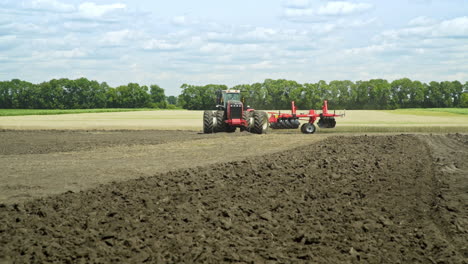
[[227, 96]]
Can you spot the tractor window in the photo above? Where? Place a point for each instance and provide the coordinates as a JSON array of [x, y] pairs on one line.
[[232, 97]]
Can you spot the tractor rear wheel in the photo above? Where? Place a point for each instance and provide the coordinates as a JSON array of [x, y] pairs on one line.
[[220, 124], [308, 128], [208, 122], [260, 125]]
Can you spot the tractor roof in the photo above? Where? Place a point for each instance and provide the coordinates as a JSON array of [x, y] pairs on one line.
[[231, 91]]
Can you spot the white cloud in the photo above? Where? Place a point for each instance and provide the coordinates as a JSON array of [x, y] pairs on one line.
[[93, 10], [179, 20], [325, 12], [120, 37], [297, 4], [247, 35], [369, 50], [74, 53], [294, 12], [421, 21], [456, 27], [7, 41], [162, 45], [49, 5], [222, 48], [22, 28], [60, 54], [342, 8]]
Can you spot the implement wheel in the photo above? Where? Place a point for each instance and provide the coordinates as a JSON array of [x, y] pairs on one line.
[[308, 128], [208, 122], [260, 125]]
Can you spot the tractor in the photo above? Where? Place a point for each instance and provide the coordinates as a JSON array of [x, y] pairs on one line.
[[231, 114]]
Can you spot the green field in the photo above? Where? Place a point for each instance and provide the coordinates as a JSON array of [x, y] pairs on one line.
[[431, 111], [24, 112]]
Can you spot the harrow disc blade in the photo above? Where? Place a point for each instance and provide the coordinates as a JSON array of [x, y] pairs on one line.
[[326, 122]]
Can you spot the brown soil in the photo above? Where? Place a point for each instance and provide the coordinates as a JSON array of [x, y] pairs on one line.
[[41, 163], [14, 142], [380, 199]]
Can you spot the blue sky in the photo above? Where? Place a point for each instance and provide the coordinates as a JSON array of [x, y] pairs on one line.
[[232, 42]]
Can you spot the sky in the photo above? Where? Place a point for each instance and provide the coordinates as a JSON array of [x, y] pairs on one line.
[[170, 43]]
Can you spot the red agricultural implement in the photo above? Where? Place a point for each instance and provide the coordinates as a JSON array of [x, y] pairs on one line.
[[292, 121]]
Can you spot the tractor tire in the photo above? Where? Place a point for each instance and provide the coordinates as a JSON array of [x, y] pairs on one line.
[[260, 125], [308, 128], [247, 116], [220, 125], [208, 122]]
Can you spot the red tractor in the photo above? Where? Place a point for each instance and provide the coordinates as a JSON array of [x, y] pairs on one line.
[[291, 121], [232, 114]]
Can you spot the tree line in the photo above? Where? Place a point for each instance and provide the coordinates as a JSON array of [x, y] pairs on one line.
[[81, 94], [371, 94], [270, 94]]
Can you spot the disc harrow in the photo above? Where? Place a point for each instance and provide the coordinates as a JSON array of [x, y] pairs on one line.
[[292, 121]]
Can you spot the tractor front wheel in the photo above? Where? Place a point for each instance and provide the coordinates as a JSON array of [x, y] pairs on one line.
[[208, 122], [308, 128]]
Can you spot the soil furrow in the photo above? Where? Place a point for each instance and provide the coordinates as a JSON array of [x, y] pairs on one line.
[[344, 199]]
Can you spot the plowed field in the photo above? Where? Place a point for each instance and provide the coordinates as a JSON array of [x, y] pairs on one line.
[[252, 199]]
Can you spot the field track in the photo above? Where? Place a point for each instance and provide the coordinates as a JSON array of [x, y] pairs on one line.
[[178, 197]]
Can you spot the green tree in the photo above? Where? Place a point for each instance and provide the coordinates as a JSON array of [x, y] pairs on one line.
[[52, 94], [379, 94], [5, 98], [434, 95], [457, 91], [158, 97], [199, 97], [133, 96], [464, 100], [416, 94], [342, 89], [360, 95], [112, 98], [447, 91], [400, 92], [172, 100], [311, 97]]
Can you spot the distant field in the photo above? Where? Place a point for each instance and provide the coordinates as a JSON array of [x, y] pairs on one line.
[[431, 111], [355, 121], [22, 112]]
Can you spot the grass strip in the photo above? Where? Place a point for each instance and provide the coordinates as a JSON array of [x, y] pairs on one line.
[[23, 112]]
